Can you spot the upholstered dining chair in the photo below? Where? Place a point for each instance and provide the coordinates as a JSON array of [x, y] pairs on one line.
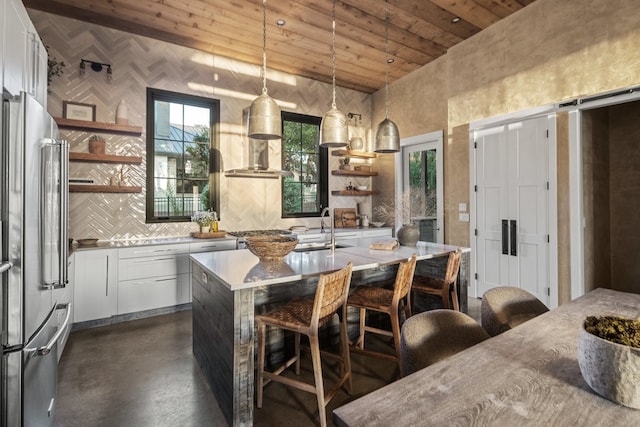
[[434, 335], [382, 300], [306, 317], [506, 307], [443, 287]]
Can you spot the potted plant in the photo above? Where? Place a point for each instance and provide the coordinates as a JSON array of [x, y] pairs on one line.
[[408, 234], [204, 219], [609, 358], [96, 144]]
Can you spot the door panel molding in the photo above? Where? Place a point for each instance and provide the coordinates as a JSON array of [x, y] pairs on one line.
[[524, 172]]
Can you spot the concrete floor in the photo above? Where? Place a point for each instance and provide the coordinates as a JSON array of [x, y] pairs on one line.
[[142, 373]]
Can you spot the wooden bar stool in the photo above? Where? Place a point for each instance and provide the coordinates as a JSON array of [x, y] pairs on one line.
[[444, 287], [384, 301], [305, 317]]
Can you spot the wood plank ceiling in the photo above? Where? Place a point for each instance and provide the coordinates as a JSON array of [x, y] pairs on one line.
[[419, 31]]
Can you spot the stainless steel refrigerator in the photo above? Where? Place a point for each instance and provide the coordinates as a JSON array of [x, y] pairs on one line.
[[33, 206]]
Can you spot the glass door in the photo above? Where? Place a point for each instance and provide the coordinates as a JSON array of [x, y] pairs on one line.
[[422, 188]]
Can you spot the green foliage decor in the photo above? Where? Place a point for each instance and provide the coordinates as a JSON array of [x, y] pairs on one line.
[[615, 329]]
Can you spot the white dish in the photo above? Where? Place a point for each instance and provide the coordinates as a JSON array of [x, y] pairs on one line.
[[377, 224], [361, 187]]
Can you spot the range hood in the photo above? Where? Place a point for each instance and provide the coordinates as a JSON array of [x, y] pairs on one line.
[[258, 163]]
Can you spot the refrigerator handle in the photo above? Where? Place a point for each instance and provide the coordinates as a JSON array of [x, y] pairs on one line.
[[64, 209], [63, 203], [5, 266], [43, 351]]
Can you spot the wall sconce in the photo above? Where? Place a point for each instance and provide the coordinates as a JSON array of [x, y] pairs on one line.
[[95, 66]]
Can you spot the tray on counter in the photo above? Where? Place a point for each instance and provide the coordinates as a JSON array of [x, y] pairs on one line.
[[209, 235]]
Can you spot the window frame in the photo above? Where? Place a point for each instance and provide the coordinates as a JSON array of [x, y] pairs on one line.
[[213, 105], [323, 162]]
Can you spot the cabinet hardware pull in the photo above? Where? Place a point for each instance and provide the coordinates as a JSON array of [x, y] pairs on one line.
[[505, 237], [514, 237]]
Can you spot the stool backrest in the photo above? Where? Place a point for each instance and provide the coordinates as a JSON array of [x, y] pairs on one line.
[[453, 266], [404, 279], [331, 294]]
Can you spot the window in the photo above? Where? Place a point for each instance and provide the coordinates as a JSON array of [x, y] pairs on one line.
[[180, 139], [305, 194]]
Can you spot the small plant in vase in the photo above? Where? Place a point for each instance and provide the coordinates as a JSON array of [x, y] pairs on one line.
[[609, 357], [204, 220], [413, 202]]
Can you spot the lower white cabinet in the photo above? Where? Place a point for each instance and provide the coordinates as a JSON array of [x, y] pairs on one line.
[[95, 292], [151, 293], [152, 277]]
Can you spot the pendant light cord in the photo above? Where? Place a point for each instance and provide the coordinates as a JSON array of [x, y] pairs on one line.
[[386, 59], [264, 46], [333, 57]]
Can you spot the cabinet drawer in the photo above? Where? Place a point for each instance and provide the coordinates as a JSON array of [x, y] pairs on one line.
[[210, 246], [309, 238], [155, 266], [348, 235], [139, 295], [377, 232], [152, 251]]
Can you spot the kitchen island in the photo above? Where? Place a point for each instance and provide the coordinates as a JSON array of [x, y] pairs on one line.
[[229, 287]]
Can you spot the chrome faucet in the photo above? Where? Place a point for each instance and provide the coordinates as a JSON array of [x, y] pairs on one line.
[[332, 244]]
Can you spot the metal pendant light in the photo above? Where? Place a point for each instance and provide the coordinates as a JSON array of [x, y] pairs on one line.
[[265, 121], [387, 134], [333, 129]]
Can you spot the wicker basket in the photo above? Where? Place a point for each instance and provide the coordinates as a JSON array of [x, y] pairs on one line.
[[271, 248]]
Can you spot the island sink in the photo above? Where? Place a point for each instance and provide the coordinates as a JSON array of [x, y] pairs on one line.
[[315, 246]]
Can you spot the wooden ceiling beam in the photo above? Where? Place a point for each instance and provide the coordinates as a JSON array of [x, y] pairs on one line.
[[470, 11]]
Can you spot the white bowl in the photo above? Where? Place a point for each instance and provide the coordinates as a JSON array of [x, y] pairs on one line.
[[361, 187], [377, 224]]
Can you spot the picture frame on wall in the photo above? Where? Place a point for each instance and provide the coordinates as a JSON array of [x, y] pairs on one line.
[[79, 111]]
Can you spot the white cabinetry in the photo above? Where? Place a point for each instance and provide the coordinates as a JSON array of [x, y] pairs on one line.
[[14, 53], [210, 246], [377, 232], [24, 57], [95, 289], [153, 277]]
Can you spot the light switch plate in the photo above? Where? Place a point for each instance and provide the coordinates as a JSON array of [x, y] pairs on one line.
[[464, 217], [462, 207]]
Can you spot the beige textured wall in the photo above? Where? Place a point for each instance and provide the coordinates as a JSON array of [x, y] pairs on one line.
[[548, 52], [624, 167], [139, 62]]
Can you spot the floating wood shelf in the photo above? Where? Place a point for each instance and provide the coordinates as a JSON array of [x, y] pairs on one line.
[[353, 193], [356, 154], [103, 189], [345, 172], [98, 126], [103, 158]]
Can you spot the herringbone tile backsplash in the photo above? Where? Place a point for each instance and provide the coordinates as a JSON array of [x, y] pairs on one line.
[[140, 62]]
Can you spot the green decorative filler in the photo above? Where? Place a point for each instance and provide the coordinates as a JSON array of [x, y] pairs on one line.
[[615, 329]]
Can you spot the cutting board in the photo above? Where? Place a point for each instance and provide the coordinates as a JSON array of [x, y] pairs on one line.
[[344, 217], [384, 245]]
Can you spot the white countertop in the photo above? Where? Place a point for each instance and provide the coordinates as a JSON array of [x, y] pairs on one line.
[[241, 269]]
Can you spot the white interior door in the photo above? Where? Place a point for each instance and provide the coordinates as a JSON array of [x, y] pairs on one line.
[[512, 207], [422, 180]]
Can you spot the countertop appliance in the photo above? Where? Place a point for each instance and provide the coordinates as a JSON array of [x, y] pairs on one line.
[[33, 207]]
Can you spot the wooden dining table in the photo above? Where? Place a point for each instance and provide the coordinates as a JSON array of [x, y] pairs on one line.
[[527, 376]]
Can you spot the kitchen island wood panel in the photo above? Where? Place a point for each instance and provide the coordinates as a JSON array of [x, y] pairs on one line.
[[230, 287], [527, 376]]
